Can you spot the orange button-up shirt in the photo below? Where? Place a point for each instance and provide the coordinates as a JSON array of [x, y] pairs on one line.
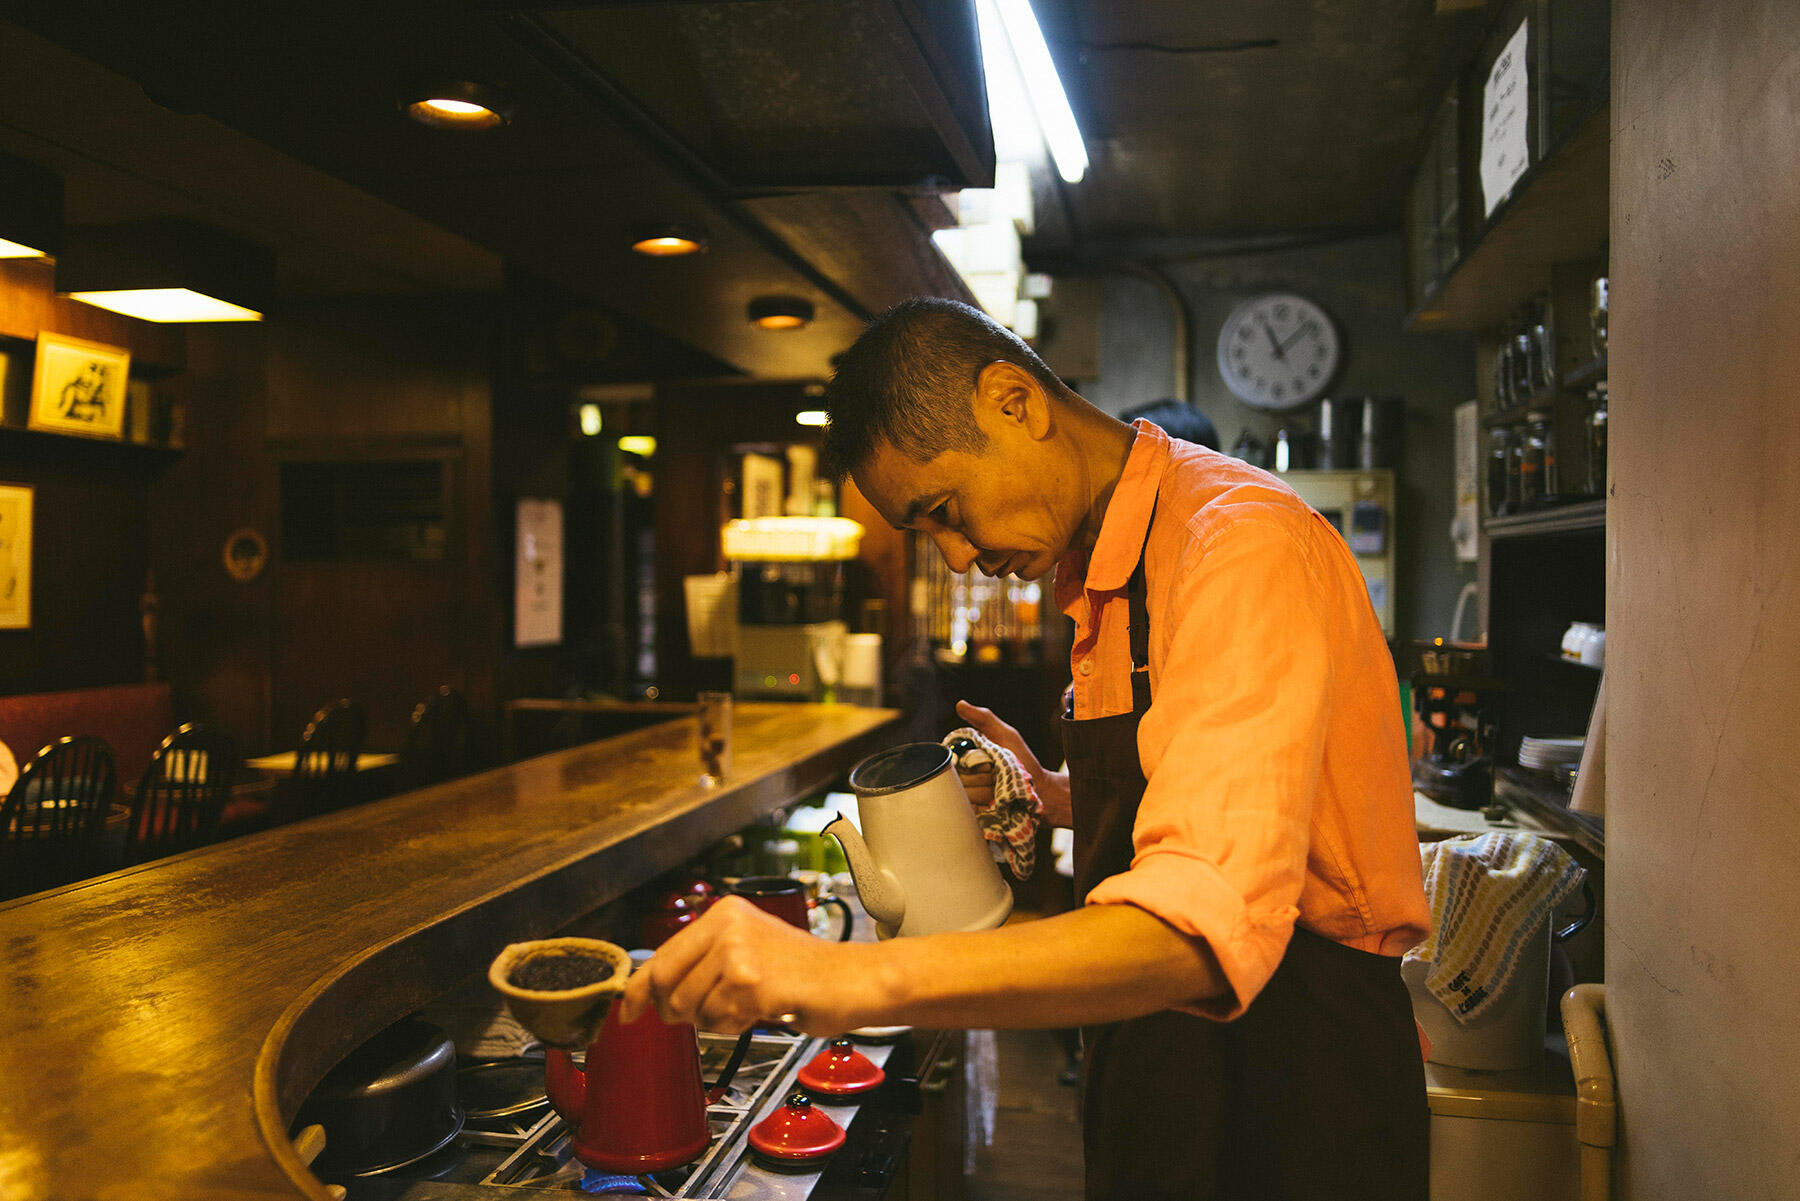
[[1278, 783]]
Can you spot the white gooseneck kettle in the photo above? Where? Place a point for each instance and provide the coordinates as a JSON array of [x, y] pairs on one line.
[[920, 862]]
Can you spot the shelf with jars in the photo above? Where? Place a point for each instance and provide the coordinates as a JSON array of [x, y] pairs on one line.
[[1543, 403]]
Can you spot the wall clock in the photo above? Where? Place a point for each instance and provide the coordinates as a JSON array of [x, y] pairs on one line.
[[1278, 351]]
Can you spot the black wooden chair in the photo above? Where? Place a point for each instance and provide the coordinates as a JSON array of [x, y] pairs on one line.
[[437, 744], [325, 767], [51, 821], [181, 794]]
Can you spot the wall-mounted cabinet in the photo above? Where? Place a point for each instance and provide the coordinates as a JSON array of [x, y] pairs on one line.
[[1481, 247]]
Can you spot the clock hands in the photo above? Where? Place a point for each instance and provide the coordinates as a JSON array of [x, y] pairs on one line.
[[1282, 346], [1277, 347]]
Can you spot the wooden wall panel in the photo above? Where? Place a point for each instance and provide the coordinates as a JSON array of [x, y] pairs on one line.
[[1704, 597]]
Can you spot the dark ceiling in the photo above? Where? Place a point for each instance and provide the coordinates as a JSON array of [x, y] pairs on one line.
[[809, 138], [1248, 117]]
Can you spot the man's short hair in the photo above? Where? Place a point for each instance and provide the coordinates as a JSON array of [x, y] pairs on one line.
[[909, 381]]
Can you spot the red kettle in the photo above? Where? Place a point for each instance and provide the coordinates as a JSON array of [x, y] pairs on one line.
[[640, 1104]]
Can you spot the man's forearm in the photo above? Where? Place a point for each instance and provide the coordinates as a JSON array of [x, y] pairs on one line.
[[1099, 963]]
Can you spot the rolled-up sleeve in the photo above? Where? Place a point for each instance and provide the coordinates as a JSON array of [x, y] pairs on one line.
[[1232, 746]]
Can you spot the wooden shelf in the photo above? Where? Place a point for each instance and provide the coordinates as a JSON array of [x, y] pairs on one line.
[[1556, 658], [1592, 371], [1563, 519], [48, 445], [1557, 214], [1513, 414]]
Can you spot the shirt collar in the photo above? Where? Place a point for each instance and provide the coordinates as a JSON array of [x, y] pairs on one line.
[[1127, 521]]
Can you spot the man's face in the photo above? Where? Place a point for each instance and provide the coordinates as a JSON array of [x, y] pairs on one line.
[[1000, 510]]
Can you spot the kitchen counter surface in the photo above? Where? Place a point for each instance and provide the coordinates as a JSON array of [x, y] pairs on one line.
[[163, 1023]]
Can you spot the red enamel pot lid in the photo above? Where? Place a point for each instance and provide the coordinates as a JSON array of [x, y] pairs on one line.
[[797, 1130], [840, 1070]]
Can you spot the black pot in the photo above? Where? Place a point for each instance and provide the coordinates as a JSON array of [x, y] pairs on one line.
[[388, 1103]]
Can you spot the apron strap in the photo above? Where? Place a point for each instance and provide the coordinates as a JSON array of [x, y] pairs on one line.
[[1137, 596]]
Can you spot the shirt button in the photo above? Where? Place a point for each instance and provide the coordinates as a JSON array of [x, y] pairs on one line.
[[1087, 667]]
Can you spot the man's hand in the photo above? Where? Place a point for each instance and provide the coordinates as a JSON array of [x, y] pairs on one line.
[[738, 965], [1052, 786]]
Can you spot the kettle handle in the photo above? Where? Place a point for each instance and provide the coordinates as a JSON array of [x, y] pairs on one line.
[[1581, 923], [716, 1090]]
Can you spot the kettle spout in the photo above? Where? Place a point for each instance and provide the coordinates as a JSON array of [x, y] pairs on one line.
[[566, 1084], [880, 894]]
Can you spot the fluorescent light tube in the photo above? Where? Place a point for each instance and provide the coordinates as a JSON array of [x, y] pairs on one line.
[[1048, 99]]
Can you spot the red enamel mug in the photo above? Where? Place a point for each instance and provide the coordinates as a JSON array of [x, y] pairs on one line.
[[786, 899]]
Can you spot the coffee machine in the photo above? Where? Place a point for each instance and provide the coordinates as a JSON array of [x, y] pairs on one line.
[[792, 576]]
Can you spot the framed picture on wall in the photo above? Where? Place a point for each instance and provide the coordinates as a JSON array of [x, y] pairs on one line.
[[15, 557], [79, 387]]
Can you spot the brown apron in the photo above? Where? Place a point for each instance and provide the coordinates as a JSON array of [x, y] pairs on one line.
[[1316, 1091]]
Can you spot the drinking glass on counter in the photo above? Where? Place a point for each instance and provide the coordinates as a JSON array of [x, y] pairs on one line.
[[714, 728]]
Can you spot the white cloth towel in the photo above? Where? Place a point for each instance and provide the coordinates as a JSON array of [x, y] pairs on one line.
[[1490, 894]]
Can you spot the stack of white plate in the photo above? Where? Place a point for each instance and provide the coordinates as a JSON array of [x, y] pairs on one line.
[[1549, 754]]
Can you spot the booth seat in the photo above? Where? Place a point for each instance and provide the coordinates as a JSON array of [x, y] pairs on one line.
[[133, 718]]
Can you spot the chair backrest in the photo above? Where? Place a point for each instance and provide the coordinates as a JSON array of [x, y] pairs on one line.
[[325, 767], [437, 745], [50, 823], [181, 794]]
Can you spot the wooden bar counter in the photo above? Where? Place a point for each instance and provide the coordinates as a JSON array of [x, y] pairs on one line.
[[160, 1026]]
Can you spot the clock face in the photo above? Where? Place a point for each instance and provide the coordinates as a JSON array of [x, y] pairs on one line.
[[1278, 351]]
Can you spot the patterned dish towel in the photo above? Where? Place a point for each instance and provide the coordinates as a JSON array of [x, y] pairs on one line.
[[1490, 894], [1010, 823]]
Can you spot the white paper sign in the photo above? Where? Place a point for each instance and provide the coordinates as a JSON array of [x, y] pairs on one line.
[[1505, 113], [538, 573]]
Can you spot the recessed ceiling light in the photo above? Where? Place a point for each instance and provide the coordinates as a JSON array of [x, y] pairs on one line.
[[638, 444], [667, 241], [458, 104], [590, 420], [781, 312], [166, 304], [812, 417]]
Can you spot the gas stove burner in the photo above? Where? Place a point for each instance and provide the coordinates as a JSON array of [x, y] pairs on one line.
[[606, 1184]]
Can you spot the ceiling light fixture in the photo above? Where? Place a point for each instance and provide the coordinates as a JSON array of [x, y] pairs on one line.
[[458, 104], [31, 207], [667, 241], [168, 271], [781, 312], [1049, 102], [590, 420], [812, 417], [166, 305], [638, 444]]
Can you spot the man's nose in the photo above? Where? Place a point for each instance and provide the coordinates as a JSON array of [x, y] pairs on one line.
[[959, 553]]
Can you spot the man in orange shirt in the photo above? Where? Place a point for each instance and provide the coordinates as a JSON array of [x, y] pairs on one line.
[[1236, 780]]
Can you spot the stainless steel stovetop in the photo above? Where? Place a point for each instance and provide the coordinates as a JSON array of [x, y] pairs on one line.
[[513, 1140]]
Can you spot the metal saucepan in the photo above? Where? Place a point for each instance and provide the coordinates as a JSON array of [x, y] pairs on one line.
[[389, 1103]]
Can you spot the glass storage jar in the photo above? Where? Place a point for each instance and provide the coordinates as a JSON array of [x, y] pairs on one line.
[[1500, 484], [1532, 465], [1596, 440]]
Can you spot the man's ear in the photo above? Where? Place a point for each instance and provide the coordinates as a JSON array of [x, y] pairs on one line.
[[1007, 395]]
